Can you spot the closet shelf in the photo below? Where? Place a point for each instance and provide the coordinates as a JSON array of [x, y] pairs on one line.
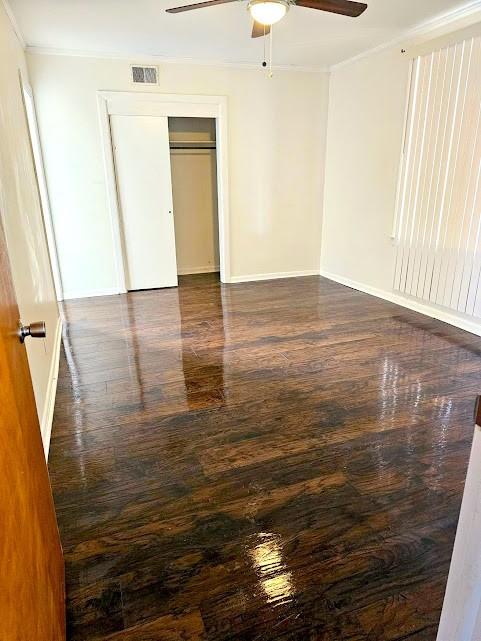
[[192, 144]]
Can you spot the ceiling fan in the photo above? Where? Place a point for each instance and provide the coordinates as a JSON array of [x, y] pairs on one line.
[[267, 12]]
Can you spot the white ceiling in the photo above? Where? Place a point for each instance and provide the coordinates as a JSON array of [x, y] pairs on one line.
[[221, 34]]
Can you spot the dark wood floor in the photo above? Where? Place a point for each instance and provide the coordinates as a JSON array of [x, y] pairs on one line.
[[269, 461]]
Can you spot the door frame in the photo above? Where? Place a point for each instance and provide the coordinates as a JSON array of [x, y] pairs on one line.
[[461, 613], [134, 103]]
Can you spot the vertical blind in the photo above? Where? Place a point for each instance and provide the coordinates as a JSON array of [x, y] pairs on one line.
[[438, 221]]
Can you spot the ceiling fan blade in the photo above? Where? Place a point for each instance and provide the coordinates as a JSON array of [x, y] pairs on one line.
[[198, 5], [259, 30], [343, 7]]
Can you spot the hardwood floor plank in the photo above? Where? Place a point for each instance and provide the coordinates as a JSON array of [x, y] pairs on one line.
[[166, 628]]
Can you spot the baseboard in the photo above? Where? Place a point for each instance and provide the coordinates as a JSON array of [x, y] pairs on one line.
[[47, 418], [274, 276], [207, 269], [423, 308], [89, 293]]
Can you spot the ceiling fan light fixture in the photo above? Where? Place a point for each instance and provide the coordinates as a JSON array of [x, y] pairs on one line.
[[268, 12]]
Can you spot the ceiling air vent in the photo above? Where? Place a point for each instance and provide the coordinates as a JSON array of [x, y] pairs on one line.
[[144, 75]]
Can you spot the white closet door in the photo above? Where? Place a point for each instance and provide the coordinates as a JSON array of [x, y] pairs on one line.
[[142, 162]]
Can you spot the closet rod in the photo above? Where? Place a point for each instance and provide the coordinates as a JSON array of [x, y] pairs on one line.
[[194, 144]]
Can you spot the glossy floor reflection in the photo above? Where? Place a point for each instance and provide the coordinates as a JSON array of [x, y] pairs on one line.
[[267, 461]]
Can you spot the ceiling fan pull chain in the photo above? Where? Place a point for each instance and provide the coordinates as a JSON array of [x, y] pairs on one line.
[[270, 51]]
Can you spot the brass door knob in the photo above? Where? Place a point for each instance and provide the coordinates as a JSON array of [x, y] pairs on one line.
[[35, 330]]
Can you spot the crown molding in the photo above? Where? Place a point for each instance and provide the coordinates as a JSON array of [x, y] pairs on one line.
[[158, 60], [470, 12], [14, 23]]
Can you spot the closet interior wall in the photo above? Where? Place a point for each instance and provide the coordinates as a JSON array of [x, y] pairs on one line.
[[194, 188]]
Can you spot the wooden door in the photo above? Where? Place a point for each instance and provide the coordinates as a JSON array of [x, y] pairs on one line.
[[32, 602], [142, 163]]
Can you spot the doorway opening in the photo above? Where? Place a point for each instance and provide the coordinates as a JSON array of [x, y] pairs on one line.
[[193, 162]]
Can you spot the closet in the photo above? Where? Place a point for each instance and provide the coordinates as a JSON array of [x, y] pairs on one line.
[[194, 188], [167, 192]]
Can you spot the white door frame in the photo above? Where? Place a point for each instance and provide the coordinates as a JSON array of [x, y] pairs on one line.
[[37, 154], [133, 103], [461, 614]]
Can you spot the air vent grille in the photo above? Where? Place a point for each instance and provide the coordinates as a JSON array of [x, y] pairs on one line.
[[144, 75]]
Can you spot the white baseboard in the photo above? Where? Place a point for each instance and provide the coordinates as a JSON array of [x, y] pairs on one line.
[[432, 311], [47, 418], [207, 269], [89, 293], [274, 276]]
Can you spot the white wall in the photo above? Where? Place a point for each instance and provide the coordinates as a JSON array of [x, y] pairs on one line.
[[366, 114], [22, 220], [276, 152], [367, 100]]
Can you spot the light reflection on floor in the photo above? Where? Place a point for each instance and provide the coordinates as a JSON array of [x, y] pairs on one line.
[[275, 579]]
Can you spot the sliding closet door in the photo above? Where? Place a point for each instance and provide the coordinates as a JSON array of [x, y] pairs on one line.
[[142, 163], [439, 214]]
